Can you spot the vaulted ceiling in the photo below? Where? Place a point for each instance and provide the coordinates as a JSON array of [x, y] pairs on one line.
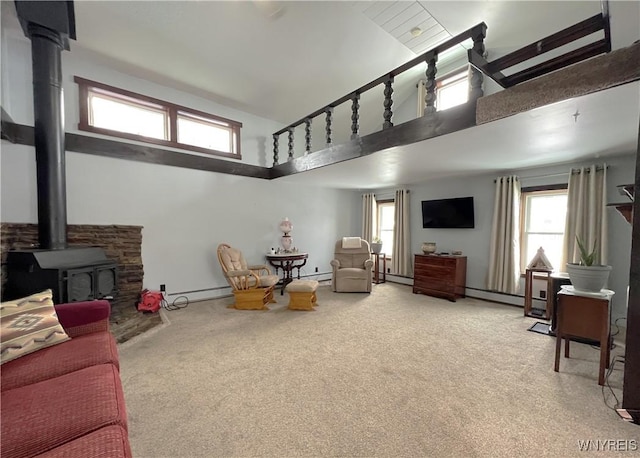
[[283, 60]]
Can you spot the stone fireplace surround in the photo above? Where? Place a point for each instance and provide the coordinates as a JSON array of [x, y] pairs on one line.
[[120, 243]]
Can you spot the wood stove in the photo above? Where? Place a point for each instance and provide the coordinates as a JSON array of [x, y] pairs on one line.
[[77, 273], [73, 274]]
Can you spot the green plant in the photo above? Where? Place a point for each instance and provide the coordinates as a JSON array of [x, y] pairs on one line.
[[586, 258], [376, 239]]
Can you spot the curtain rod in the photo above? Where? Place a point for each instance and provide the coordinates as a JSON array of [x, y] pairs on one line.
[[573, 171]]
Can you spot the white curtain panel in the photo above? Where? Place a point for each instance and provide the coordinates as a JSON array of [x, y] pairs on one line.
[[586, 217], [368, 216], [504, 257], [401, 260]]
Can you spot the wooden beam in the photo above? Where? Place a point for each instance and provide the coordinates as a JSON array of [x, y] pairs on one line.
[[23, 135], [423, 128], [583, 53], [17, 133], [576, 31]]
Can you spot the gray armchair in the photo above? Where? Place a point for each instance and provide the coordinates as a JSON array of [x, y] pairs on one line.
[[352, 266]]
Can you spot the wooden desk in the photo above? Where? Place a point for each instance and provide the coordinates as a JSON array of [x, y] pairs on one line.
[[528, 294], [287, 262], [376, 268], [584, 315]]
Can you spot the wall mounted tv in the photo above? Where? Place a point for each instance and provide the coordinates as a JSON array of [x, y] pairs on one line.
[[448, 213]]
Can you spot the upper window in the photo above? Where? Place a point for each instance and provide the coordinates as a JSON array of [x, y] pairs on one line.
[[543, 223], [452, 90], [119, 113], [386, 223]]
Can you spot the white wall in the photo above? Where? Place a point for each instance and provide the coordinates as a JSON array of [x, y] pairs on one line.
[[474, 243], [185, 213]]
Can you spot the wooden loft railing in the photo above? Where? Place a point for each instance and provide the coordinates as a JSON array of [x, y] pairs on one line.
[[582, 29], [477, 34], [479, 66]]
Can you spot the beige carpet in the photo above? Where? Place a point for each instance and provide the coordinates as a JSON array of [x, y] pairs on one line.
[[386, 374]]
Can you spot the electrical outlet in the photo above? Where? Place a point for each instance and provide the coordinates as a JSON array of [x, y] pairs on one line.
[[543, 294], [316, 269], [163, 288]]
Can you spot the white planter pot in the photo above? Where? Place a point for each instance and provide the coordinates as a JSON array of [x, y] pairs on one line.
[[376, 248], [588, 278]]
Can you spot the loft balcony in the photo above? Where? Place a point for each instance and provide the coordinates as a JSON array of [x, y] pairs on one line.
[[532, 83]]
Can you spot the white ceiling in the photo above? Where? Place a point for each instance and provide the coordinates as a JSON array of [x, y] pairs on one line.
[[283, 60]]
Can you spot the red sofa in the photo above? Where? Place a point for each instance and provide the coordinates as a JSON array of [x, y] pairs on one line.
[[67, 400]]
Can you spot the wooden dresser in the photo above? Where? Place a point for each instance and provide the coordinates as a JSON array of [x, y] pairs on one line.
[[441, 276]]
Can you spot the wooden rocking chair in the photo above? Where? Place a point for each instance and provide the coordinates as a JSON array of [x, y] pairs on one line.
[[252, 285]]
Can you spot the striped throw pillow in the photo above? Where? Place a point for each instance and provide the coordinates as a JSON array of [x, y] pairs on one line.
[[29, 324]]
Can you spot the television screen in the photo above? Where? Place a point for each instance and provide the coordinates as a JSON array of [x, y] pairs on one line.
[[448, 213]]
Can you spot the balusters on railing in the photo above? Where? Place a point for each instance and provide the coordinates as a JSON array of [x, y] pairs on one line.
[[290, 143], [475, 79], [329, 120], [355, 106], [388, 101], [307, 136], [476, 33], [430, 84], [275, 148]]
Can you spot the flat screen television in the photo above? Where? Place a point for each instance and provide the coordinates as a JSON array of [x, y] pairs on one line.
[[448, 213]]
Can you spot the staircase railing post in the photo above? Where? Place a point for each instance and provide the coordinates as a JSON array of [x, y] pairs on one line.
[[355, 106], [430, 84], [388, 101], [329, 120], [290, 144], [275, 149], [307, 136], [476, 78]]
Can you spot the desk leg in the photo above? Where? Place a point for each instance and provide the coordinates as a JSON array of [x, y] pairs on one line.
[[605, 347], [556, 365]]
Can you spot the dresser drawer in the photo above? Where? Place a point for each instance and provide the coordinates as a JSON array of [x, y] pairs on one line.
[[439, 285], [434, 272], [435, 261]]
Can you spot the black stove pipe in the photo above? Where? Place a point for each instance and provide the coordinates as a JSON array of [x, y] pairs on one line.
[[48, 106]]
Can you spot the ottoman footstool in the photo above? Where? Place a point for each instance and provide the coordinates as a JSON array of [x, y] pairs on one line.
[[302, 294]]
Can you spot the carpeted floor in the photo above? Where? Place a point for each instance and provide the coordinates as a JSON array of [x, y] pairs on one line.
[[387, 374]]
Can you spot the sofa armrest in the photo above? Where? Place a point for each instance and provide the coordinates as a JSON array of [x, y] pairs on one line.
[[79, 318]]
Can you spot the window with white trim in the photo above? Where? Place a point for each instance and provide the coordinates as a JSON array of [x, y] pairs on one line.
[[543, 214], [386, 211], [116, 112]]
